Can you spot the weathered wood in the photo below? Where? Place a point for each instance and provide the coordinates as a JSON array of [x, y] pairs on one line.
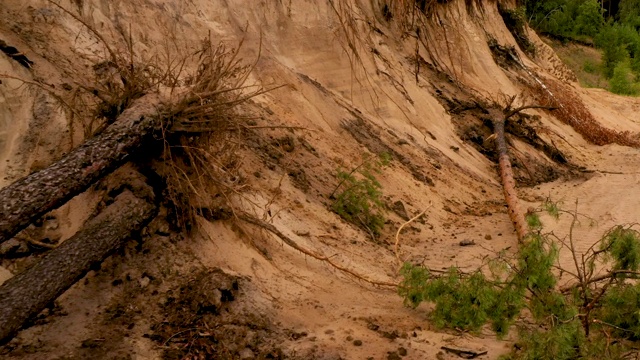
[[33, 196], [28, 293], [506, 174]]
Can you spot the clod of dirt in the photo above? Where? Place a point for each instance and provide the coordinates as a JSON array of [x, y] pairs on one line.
[[287, 143], [365, 134], [299, 178], [92, 343], [203, 319], [398, 208], [392, 355], [246, 354]]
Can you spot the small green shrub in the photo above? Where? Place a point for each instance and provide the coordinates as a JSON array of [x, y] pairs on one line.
[[622, 244], [590, 67], [620, 308], [561, 342], [461, 302], [360, 201], [468, 302], [622, 82]]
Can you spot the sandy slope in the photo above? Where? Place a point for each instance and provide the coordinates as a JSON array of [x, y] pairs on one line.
[[348, 109]]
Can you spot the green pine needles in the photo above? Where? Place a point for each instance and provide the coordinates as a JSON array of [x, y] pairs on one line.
[[595, 316], [468, 301], [360, 199]]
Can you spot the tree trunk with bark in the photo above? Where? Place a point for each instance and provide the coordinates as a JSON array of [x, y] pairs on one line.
[[29, 198], [28, 293], [506, 175]]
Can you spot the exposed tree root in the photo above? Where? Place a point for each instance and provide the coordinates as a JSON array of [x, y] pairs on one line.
[[287, 240], [396, 245]]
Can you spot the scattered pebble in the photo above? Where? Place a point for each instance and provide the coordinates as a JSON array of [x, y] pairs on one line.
[[357, 342], [392, 355], [246, 354], [402, 351], [144, 282], [467, 242]]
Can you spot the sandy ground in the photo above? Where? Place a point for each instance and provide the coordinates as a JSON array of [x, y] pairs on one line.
[[347, 108]]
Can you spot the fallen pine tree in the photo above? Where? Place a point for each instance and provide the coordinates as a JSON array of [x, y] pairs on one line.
[[156, 114], [28, 293], [29, 198], [208, 106], [499, 119]]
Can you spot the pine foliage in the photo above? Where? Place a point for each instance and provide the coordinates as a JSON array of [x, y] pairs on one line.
[[360, 199], [571, 323]]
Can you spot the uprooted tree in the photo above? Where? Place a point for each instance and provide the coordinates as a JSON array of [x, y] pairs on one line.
[[591, 316], [25, 295], [145, 109], [27, 199], [499, 119]]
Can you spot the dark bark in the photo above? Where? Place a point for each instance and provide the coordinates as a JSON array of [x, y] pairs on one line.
[[28, 293], [33, 196]]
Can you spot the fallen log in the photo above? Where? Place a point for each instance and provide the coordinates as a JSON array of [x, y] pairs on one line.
[[31, 197], [499, 118], [28, 293]]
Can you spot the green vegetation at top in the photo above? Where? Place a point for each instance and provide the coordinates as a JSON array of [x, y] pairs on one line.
[[611, 26]]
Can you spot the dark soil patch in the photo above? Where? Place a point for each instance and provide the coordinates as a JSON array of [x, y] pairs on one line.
[[299, 177], [505, 56], [474, 126], [366, 135], [203, 320]]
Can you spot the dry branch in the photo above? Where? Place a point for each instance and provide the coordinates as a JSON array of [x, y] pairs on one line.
[[33, 196], [28, 293], [572, 111], [287, 240], [397, 244]]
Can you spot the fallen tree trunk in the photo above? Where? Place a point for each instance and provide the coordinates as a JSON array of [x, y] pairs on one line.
[[29, 198], [28, 293], [506, 176], [499, 118]]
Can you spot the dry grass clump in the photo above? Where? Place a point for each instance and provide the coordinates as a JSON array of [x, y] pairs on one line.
[[199, 161], [202, 135], [572, 111], [117, 80], [200, 123]]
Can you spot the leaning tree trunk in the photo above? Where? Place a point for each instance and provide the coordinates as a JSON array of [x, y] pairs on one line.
[[31, 197], [28, 293], [506, 175]]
